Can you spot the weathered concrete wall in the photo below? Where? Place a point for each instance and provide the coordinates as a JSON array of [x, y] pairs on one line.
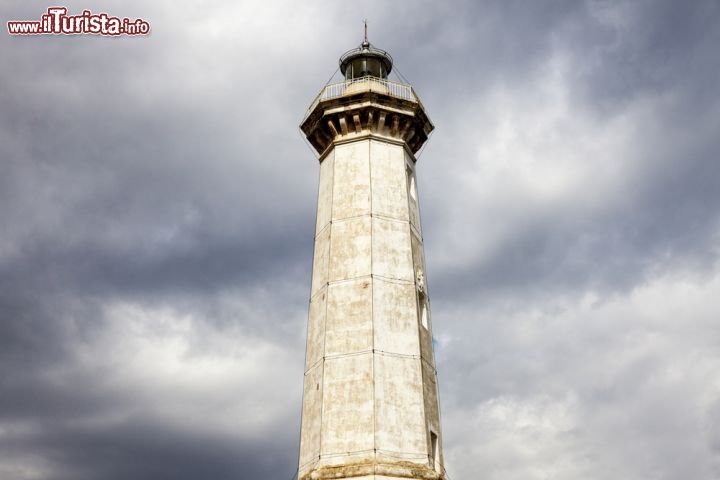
[[370, 392], [347, 410], [389, 188], [413, 201], [325, 192], [395, 317], [351, 180]]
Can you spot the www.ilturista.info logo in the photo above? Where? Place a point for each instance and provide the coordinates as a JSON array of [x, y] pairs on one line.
[[56, 22]]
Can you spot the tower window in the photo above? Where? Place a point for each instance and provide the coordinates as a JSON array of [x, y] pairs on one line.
[[423, 309], [412, 191], [434, 451]]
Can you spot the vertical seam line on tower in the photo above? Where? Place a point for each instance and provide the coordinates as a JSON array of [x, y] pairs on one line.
[[327, 301], [307, 341], [431, 353], [421, 262], [372, 298]]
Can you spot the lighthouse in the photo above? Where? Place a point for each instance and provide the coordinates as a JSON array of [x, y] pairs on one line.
[[370, 394]]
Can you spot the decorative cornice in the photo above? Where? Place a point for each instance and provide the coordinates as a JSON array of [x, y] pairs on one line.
[[356, 115]]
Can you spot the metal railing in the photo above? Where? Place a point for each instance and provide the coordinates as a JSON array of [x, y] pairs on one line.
[[364, 84]]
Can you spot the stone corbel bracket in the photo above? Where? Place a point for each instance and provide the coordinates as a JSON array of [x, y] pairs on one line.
[[366, 113]]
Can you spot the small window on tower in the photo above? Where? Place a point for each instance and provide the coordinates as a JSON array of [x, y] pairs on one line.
[[423, 309], [434, 451], [411, 183]]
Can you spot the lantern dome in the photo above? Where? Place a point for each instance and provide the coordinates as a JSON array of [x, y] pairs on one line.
[[364, 61]]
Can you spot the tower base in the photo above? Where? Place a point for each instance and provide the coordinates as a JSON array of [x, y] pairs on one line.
[[400, 470]]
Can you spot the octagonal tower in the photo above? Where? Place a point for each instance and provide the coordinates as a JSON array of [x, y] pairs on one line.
[[370, 396]]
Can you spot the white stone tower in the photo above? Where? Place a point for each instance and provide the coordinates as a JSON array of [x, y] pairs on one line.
[[370, 397]]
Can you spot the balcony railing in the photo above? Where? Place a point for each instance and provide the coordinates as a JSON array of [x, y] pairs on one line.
[[365, 84]]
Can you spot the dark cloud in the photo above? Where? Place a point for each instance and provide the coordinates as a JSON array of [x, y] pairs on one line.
[[140, 448]]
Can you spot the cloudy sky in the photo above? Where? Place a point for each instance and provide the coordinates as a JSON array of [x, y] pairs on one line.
[[157, 205]]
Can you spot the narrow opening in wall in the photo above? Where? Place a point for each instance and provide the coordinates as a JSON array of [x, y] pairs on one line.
[[422, 309], [411, 183], [434, 452]]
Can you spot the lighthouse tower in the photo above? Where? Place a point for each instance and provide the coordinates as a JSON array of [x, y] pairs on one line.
[[370, 396]]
